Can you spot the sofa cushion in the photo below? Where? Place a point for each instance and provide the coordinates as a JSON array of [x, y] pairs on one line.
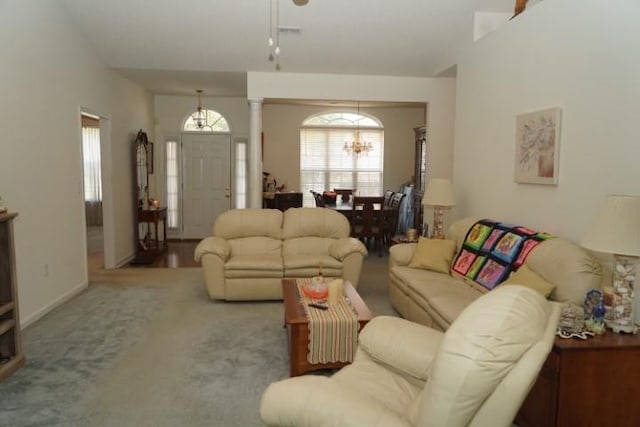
[[258, 245], [569, 267], [309, 265], [253, 266], [319, 222], [442, 296], [310, 245], [238, 223], [433, 254], [529, 278]]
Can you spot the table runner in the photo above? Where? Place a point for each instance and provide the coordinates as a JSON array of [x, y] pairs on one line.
[[333, 333]]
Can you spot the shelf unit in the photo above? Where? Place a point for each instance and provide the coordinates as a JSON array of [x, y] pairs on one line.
[[11, 354]]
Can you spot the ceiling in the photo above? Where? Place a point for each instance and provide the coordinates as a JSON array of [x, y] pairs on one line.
[[175, 47]]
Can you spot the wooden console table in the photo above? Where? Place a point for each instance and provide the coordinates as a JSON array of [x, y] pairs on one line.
[[593, 382], [150, 245]]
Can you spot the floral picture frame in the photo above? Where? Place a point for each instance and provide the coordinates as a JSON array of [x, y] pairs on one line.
[[537, 151]]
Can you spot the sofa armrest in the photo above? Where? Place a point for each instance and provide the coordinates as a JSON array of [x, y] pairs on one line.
[[212, 245], [345, 246], [401, 254], [404, 345], [303, 402]]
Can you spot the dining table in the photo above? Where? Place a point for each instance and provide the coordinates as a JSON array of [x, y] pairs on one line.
[[346, 206], [375, 227]]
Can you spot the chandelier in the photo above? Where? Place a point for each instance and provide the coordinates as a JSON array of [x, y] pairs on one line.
[[200, 116], [357, 147]]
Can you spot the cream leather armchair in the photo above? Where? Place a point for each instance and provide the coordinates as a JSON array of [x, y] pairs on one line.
[[477, 373]]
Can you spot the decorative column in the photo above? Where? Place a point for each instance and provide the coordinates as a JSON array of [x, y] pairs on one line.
[[255, 154]]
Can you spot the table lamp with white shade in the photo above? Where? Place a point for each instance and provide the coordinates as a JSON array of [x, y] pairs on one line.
[[616, 230], [439, 195]]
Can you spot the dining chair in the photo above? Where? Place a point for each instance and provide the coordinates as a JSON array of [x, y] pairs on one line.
[[367, 220], [346, 193], [320, 203], [392, 217], [387, 198]]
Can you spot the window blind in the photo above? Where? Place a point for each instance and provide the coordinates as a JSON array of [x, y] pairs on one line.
[[324, 165]]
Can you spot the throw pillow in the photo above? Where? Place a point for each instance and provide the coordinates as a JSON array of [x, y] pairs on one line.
[[527, 277], [433, 254]]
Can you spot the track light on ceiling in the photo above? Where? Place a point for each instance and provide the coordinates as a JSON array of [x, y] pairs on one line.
[[274, 33]]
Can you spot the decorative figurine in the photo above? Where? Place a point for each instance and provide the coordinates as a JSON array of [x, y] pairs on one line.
[[571, 318], [594, 311], [571, 322]]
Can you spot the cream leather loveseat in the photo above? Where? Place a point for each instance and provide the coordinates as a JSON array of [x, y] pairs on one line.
[[436, 299], [252, 250]]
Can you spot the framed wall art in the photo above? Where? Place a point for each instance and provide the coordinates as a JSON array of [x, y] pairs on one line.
[[538, 146]]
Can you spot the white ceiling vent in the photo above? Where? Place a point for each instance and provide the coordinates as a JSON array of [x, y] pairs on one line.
[[289, 30]]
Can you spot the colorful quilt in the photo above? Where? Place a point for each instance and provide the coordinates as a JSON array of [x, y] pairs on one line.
[[492, 250]]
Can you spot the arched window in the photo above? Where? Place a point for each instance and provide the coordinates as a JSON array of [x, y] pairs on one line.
[[341, 149], [209, 121]]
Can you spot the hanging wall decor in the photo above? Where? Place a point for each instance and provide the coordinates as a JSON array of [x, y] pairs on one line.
[[538, 147]]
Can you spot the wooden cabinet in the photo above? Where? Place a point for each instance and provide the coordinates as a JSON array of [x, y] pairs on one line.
[[419, 175], [420, 166], [288, 200], [11, 355], [594, 382]]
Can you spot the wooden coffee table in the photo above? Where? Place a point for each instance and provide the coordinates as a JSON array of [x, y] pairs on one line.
[[297, 324]]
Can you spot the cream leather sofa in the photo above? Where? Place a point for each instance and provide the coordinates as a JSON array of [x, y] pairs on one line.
[[478, 373], [436, 299], [252, 250]]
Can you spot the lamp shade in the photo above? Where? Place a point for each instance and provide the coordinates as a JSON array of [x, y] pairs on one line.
[[439, 192], [616, 228]]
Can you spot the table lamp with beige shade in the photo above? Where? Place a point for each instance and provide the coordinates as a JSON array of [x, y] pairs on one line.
[[439, 196], [616, 230]]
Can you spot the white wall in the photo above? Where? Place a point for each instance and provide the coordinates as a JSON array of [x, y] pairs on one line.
[[438, 93], [584, 59], [48, 73], [281, 128]]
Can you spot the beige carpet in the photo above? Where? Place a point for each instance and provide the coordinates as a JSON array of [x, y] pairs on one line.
[[146, 347]]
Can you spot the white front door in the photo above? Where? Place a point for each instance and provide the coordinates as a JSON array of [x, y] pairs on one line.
[[207, 182]]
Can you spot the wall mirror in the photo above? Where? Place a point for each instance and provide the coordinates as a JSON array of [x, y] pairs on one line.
[[141, 145]]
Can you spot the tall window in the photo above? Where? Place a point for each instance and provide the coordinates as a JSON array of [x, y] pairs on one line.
[[91, 159], [214, 122], [324, 164], [172, 183], [241, 175]]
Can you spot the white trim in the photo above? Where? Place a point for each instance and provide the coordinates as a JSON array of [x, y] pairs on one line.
[[24, 322], [124, 260], [108, 213]]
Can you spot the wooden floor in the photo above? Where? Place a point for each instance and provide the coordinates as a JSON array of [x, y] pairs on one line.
[[179, 254]]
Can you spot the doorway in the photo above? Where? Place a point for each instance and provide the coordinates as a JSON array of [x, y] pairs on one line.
[[206, 174]]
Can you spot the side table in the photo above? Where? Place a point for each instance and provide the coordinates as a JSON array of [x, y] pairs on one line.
[[593, 382], [297, 324]]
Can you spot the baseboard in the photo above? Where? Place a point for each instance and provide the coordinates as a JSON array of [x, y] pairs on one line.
[[53, 304], [125, 260]]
